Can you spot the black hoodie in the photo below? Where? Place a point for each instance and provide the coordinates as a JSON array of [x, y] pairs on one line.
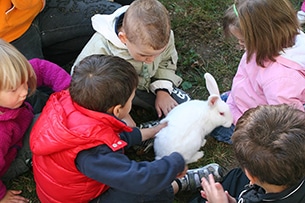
[[256, 194]]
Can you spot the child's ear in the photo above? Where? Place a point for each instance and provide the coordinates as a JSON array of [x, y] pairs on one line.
[[253, 179], [116, 110], [122, 37]]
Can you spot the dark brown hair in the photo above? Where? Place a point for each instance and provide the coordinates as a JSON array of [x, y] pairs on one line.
[[269, 141], [100, 82]]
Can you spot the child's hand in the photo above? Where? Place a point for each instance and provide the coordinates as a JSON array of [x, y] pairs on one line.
[[151, 132], [13, 196], [214, 192], [164, 103]]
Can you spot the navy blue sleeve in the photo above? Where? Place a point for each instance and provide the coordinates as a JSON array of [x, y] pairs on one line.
[[116, 170], [132, 138]]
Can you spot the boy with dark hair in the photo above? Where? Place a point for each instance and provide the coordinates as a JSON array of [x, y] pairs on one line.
[[269, 144], [79, 140]]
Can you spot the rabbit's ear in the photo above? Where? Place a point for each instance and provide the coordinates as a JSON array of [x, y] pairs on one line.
[[211, 84], [212, 100]]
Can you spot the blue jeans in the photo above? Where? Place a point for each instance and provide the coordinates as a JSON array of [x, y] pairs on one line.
[[114, 196], [62, 29], [221, 133]]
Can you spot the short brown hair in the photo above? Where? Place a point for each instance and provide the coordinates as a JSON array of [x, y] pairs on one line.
[[269, 141], [100, 82], [147, 22], [268, 27]]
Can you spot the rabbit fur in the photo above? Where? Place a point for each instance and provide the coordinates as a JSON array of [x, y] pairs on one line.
[[189, 123]]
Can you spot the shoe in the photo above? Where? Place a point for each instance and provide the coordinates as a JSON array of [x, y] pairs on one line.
[[301, 17], [146, 145], [192, 180], [149, 124], [180, 96]]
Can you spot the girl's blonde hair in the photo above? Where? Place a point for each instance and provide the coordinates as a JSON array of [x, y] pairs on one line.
[[15, 69], [268, 27]]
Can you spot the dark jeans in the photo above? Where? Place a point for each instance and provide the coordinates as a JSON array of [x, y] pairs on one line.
[[62, 29], [146, 100], [234, 182], [115, 196]]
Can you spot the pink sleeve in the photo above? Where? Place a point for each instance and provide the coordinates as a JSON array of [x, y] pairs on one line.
[[289, 90], [50, 74]]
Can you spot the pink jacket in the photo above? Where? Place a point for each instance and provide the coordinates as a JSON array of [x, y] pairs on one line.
[[282, 81], [14, 122]]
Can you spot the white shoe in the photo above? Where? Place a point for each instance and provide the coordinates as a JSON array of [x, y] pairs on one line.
[[192, 179], [301, 17]]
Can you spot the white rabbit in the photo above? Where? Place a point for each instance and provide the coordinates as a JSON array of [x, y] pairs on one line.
[[190, 122]]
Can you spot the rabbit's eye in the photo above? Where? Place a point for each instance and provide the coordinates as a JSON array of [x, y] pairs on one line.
[[221, 113]]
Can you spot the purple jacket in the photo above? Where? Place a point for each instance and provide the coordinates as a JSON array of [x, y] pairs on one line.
[[14, 122]]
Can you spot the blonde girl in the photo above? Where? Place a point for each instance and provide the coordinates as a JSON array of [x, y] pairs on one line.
[[18, 77]]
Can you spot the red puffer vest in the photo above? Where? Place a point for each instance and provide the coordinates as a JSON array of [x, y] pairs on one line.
[[62, 130]]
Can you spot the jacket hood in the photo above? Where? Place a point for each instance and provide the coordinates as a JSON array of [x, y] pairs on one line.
[[64, 125], [105, 25], [296, 53]]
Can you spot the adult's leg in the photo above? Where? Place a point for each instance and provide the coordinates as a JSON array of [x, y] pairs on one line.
[[29, 44], [66, 26]]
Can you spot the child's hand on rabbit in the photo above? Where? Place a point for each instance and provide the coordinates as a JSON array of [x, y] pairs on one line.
[[164, 103], [148, 133]]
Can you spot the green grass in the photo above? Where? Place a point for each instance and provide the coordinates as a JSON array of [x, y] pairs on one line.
[[197, 25]]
